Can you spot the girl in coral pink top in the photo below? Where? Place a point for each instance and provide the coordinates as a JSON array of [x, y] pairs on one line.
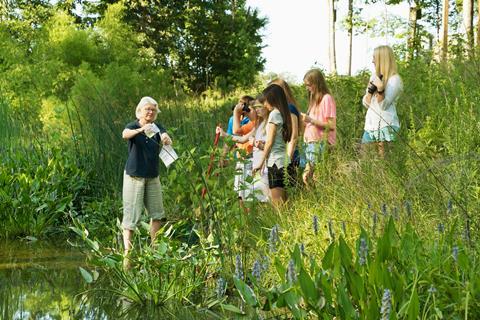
[[319, 121]]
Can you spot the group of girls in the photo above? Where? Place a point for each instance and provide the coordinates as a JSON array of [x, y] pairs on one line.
[[270, 139], [275, 124], [268, 131]]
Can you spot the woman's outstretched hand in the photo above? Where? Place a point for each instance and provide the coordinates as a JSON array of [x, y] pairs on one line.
[[166, 139], [220, 131]]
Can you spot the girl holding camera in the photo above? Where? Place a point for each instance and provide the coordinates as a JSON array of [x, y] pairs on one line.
[[257, 136], [279, 133], [384, 88], [320, 121]]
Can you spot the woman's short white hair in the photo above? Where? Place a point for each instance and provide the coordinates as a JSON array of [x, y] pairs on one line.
[[144, 102]]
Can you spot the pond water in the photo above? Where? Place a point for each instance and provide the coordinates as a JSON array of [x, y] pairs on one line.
[[40, 280]]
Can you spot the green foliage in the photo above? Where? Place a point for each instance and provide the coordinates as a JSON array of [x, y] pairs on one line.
[[409, 266], [204, 43], [67, 90], [39, 190], [170, 269]]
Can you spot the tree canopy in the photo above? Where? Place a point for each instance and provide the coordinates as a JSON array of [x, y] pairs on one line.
[[201, 43]]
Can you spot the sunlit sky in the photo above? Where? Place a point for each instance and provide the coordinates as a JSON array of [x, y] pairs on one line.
[[296, 36]]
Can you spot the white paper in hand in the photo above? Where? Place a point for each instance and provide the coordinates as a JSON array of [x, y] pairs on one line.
[[152, 130], [168, 155]]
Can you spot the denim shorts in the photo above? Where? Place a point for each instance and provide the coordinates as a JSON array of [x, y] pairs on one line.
[[313, 151], [384, 134]]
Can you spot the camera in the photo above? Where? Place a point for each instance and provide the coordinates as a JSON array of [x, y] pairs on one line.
[[245, 108], [372, 88]]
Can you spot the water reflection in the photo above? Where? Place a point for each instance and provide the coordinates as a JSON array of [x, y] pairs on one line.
[[42, 281]]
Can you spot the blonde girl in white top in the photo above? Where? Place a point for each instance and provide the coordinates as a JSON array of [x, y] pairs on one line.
[[385, 86]]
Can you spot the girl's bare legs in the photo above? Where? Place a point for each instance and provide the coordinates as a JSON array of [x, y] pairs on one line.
[[278, 195], [154, 227], [308, 174], [127, 245], [127, 240], [381, 150]]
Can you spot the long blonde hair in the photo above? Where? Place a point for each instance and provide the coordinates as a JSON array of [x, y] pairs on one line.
[[385, 63], [261, 121], [317, 80]]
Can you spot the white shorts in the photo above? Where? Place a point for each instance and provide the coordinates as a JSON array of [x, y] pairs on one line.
[[243, 172], [260, 186], [247, 186]]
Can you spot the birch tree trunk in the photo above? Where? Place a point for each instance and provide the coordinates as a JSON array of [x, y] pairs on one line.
[[478, 24], [350, 35], [468, 24], [331, 27], [412, 33], [445, 31]]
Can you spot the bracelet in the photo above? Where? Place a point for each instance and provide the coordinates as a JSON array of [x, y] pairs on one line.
[[380, 92]]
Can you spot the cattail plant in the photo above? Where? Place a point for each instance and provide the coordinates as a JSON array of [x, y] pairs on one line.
[[441, 228], [386, 308], [302, 248], [449, 206], [331, 232], [265, 263], [238, 267], [362, 251], [315, 225], [257, 270], [384, 209], [455, 253], [291, 273], [221, 287], [272, 241], [408, 208]]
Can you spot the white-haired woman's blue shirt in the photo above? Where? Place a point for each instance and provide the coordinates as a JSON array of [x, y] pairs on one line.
[[384, 114]]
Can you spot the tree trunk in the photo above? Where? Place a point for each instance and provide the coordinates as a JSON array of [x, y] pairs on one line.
[[445, 31], [468, 24], [331, 27], [478, 24], [438, 18], [412, 33], [234, 8], [350, 35]]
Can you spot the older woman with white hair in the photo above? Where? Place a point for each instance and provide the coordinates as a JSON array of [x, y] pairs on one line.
[[141, 183]]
